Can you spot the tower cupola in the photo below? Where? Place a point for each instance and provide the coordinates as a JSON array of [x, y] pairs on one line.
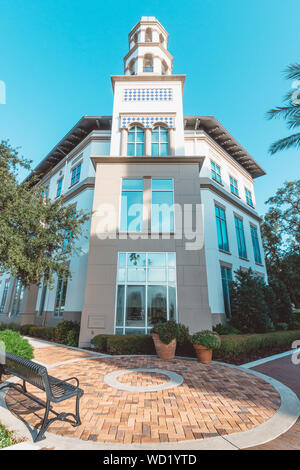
[[148, 49]]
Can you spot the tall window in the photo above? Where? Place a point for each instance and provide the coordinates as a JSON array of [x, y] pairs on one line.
[[215, 172], [148, 35], [239, 228], [69, 234], [4, 296], [146, 291], [248, 195], [159, 141], [148, 63], [221, 229], [59, 187], [162, 210], [135, 146], [132, 205], [234, 186], [42, 301], [226, 275], [255, 243], [76, 174], [18, 298], [60, 298]]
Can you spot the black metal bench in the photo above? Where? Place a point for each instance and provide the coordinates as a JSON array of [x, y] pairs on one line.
[[56, 390]]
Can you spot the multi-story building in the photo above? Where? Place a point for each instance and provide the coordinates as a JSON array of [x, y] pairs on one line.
[[172, 203]]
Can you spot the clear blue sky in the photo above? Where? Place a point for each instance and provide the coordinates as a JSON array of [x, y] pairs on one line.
[[57, 57]]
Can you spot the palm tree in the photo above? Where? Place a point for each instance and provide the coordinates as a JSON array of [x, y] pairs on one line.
[[290, 112]]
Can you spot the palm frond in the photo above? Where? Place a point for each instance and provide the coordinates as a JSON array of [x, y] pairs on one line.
[[294, 121], [292, 71], [283, 111], [285, 143]]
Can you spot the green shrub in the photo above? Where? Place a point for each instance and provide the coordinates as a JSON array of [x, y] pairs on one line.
[[43, 332], [100, 342], [62, 330], [207, 338], [169, 330], [236, 347], [284, 311], [24, 330], [15, 344], [130, 344], [249, 310], [13, 326], [73, 337], [6, 437], [226, 329]]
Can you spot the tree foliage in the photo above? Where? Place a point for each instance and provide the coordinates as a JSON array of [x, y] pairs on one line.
[[33, 229], [290, 112]]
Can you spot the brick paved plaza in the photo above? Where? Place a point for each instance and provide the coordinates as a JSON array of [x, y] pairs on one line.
[[212, 400]]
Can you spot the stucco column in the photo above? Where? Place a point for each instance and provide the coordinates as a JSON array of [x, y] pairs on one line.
[[124, 137], [171, 141], [148, 138]]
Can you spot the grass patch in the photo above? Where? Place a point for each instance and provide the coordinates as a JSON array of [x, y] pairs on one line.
[[6, 437]]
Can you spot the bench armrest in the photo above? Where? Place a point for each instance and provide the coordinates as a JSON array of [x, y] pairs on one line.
[[68, 380]]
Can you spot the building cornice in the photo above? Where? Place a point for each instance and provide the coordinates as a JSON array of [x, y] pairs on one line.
[[106, 159], [150, 45], [87, 183], [207, 183], [147, 78]]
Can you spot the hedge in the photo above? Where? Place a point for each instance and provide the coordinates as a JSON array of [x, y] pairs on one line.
[[43, 332], [15, 344], [66, 332], [130, 344]]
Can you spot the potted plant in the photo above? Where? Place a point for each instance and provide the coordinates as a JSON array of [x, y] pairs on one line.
[[204, 342], [166, 335]]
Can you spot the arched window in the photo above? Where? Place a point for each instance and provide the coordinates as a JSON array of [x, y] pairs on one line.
[[135, 145], [148, 35], [148, 63], [161, 39], [164, 68], [132, 67], [159, 141]]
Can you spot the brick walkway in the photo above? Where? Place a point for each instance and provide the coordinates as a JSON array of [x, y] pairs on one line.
[[288, 373], [213, 399]]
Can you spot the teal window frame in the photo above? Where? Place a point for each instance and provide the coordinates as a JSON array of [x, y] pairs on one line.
[[75, 174], [216, 172], [222, 232], [226, 278], [60, 297], [131, 195], [162, 193], [160, 141], [136, 141], [4, 295], [255, 244], [234, 188], [59, 187], [240, 235], [248, 195]]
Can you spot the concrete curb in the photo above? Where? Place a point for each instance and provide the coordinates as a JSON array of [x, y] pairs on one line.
[[279, 423]]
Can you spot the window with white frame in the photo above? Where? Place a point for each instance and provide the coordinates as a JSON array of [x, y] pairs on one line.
[[215, 172], [226, 276], [60, 298], [255, 244], [162, 209], [132, 205], [4, 296], [59, 187], [135, 144], [75, 174], [18, 298], [160, 141], [146, 291], [234, 186], [248, 195]]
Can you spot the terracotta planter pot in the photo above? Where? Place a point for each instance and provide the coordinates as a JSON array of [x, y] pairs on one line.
[[204, 355], [164, 351]]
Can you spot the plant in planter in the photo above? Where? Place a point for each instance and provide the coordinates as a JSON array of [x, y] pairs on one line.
[[204, 342], [166, 335]]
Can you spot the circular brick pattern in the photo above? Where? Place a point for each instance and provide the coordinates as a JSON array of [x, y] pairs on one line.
[[175, 380], [213, 400]]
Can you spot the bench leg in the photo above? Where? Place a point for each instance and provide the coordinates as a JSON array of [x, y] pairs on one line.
[[45, 423], [78, 420]]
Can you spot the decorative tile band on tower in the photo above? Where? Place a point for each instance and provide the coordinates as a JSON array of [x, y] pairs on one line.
[[147, 121], [148, 94]]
